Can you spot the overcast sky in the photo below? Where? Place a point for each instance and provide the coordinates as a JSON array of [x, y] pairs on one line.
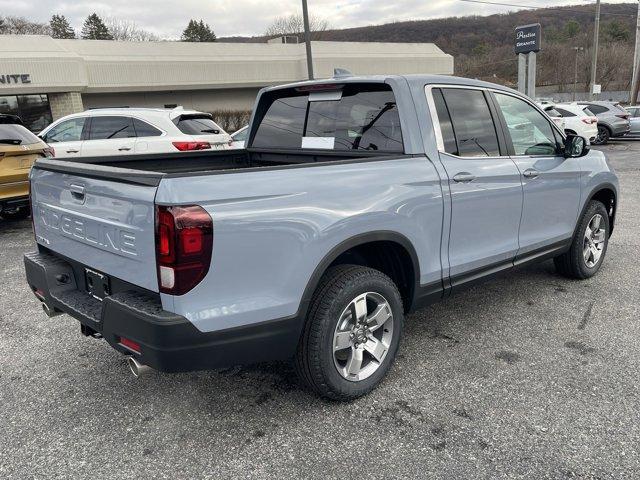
[[167, 18]]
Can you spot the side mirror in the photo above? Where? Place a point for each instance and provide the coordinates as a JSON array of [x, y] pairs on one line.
[[575, 146]]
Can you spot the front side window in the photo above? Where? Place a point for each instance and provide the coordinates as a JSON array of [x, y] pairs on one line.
[[531, 133], [106, 128], [67, 131], [475, 132], [354, 117]]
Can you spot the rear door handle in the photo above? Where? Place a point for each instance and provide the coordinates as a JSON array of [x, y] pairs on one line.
[[531, 173], [124, 149], [464, 177], [73, 151]]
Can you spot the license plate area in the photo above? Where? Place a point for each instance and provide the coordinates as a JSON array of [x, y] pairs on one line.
[[97, 284]]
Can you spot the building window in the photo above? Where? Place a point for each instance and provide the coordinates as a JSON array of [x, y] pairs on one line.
[[32, 109]]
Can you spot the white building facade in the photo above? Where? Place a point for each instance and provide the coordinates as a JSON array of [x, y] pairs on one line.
[[42, 79]]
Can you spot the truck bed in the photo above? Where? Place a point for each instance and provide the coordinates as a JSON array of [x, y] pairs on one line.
[[137, 168]]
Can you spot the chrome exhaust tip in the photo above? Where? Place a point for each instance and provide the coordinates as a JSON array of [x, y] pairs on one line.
[[51, 312], [137, 368]]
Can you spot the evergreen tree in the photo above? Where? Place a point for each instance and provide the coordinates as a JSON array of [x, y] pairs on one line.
[[616, 32], [95, 29], [198, 31], [3, 25], [60, 27]]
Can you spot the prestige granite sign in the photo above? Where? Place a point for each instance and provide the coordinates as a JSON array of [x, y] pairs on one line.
[[14, 78]]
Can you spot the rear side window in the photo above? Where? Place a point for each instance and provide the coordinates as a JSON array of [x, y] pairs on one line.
[[16, 135], [197, 125], [355, 117], [105, 128], [475, 132], [67, 131], [565, 113], [597, 109], [446, 127], [143, 129]]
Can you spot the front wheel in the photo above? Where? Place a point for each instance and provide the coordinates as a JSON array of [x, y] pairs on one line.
[[352, 332], [589, 246]]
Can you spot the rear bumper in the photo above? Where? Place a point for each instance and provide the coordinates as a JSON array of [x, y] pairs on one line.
[[14, 203], [620, 129], [168, 342]]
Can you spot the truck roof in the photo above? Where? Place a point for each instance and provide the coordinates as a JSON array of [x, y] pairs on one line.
[[412, 79]]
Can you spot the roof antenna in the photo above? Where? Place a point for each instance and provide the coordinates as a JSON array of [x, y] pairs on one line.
[[341, 72]]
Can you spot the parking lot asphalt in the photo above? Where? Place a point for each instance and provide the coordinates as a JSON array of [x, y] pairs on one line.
[[527, 376]]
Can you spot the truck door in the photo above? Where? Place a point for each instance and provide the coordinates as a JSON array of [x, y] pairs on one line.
[[551, 182], [484, 183]]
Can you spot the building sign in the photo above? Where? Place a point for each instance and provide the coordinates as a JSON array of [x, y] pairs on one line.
[[15, 78], [528, 38]]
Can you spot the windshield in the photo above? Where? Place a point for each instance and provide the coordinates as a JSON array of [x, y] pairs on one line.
[[197, 125], [16, 135]]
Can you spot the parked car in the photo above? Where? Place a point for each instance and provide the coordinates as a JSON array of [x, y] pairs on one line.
[[239, 138], [613, 120], [19, 148], [554, 115], [122, 131], [356, 201], [579, 120], [634, 119]]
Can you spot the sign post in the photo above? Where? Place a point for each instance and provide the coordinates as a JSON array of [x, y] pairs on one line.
[[527, 45]]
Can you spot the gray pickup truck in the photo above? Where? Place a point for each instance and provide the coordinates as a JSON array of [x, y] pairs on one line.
[[356, 201]]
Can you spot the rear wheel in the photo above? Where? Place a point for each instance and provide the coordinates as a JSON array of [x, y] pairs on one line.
[[17, 214], [352, 332], [602, 138], [589, 245]]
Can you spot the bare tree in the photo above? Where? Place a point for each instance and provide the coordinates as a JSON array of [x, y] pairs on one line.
[[127, 30], [22, 26], [294, 25]]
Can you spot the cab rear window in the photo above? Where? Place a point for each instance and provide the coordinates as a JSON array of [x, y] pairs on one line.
[[16, 135], [351, 117]]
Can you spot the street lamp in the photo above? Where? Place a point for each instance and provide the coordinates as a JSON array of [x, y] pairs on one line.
[[575, 72], [307, 38]]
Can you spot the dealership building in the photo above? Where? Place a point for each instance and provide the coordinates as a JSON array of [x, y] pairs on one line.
[[43, 79]]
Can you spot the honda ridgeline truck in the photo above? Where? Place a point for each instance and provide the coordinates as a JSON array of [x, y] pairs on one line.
[[356, 201]]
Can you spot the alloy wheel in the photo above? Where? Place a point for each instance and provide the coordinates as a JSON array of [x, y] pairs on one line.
[[594, 241], [362, 336]]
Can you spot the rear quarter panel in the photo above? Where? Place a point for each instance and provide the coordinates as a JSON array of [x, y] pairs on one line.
[[272, 228]]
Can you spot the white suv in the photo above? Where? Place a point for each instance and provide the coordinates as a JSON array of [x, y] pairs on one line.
[[123, 131], [579, 120]]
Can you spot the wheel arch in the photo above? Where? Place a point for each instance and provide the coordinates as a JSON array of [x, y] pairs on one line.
[[608, 195], [354, 250]]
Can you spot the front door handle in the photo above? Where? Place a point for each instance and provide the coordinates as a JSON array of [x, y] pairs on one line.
[[73, 151], [464, 177], [124, 149], [531, 173]]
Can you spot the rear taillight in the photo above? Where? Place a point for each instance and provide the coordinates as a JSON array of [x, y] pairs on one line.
[[184, 242], [624, 116], [587, 120], [189, 146], [49, 152]]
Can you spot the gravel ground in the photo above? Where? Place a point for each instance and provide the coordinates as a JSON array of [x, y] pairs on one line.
[[527, 376]]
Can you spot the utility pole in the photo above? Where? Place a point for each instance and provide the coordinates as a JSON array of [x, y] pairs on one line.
[[575, 71], [633, 94], [307, 38], [594, 54]]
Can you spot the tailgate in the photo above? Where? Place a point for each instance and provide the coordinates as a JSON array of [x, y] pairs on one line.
[[104, 224]]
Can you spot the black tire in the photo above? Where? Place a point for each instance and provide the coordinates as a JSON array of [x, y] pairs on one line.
[[572, 264], [602, 138], [18, 214], [314, 361]]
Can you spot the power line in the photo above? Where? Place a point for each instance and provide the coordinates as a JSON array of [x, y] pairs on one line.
[[565, 9]]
